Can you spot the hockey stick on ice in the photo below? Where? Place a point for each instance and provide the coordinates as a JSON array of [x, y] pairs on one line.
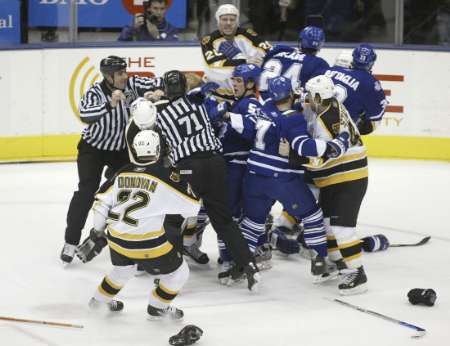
[[56, 324], [423, 241], [419, 331]]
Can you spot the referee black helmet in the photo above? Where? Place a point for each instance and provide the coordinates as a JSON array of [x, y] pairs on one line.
[[174, 84], [112, 64]]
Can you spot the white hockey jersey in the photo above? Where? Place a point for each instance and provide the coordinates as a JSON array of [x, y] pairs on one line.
[[133, 206], [326, 126]]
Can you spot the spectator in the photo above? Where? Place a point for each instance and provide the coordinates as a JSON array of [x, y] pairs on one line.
[[150, 25]]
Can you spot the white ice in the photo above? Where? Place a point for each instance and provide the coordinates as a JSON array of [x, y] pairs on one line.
[[406, 201]]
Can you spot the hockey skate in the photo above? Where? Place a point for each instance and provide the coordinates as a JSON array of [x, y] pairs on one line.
[[318, 267], [353, 281], [263, 256], [196, 254], [113, 305], [67, 253], [331, 271], [224, 275], [170, 312]]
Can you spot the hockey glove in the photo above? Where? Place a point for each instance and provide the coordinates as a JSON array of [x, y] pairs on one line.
[[377, 242], [228, 49], [338, 146], [198, 95], [187, 336], [279, 241], [215, 110], [91, 246]]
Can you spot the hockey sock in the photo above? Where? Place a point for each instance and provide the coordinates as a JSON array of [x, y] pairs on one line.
[[252, 232], [314, 232], [113, 283], [168, 287], [333, 249], [349, 244]]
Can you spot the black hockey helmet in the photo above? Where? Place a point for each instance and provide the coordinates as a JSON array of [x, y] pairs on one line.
[[174, 84], [112, 64]]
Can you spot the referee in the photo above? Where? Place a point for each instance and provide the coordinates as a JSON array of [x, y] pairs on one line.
[[105, 110], [195, 152]]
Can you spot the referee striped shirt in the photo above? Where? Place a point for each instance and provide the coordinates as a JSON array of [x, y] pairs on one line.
[[106, 125], [187, 129]]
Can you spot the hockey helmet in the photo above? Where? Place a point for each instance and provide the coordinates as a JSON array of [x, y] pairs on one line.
[[227, 9], [279, 88], [248, 72], [174, 84], [320, 85], [344, 59], [146, 148], [364, 57], [312, 37], [112, 64], [143, 113]]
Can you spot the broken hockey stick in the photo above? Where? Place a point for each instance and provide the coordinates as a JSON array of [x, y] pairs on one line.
[[419, 331], [423, 241], [55, 324]]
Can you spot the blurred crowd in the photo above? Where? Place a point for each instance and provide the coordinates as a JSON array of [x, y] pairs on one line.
[[425, 22]]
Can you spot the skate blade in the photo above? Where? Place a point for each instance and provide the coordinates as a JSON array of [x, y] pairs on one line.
[[354, 291], [318, 279]]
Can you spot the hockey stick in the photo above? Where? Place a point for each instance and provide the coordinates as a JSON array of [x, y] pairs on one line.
[[56, 324], [423, 241], [419, 331]]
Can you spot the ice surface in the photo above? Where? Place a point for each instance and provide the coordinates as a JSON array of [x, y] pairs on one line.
[[406, 200]]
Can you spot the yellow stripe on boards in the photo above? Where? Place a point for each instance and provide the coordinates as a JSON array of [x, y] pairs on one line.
[[64, 147], [406, 147]]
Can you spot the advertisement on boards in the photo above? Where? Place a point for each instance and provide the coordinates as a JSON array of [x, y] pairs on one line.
[[98, 13], [9, 21]]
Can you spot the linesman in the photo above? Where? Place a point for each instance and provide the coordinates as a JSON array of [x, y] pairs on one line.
[[104, 108]]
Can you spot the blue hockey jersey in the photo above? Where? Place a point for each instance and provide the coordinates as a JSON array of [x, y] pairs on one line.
[[359, 91], [273, 126], [238, 139], [291, 63]]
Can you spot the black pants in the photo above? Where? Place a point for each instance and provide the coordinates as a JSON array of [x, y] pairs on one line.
[[206, 173], [90, 162], [341, 202]]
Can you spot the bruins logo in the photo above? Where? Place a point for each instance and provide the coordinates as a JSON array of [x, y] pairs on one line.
[[175, 177], [205, 40]]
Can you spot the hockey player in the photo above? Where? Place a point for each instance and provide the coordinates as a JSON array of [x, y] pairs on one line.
[[298, 65], [237, 141], [342, 182], [270, 177], [132, 207], [359, 90], [230, 46]]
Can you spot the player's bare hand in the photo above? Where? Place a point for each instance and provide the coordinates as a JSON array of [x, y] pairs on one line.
[[154, 95], [153, 30], [116, 97]]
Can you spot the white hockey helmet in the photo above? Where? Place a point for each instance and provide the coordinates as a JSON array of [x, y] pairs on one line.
[[321, 85], [227, 9], [146, 148], [344, 59], [143, 113]]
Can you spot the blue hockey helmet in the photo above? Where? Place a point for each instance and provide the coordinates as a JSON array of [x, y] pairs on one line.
[[248, 72], [280, 88], [364, 57], [312, 37]]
